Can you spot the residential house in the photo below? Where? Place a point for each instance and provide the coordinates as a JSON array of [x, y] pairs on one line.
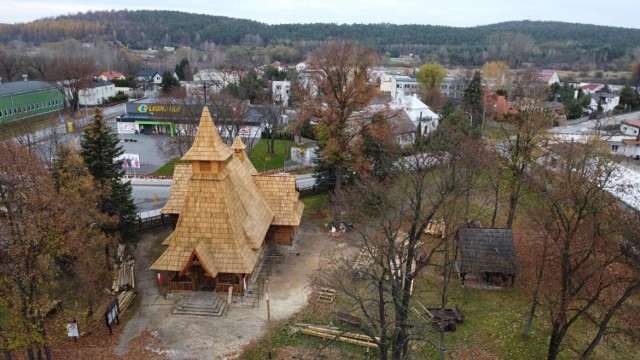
[[607, 101], [280, 92], [151, 79], [630, 127], [495, 105], [589, 88], [548, 77], [215, 79], [417, 112], [111, 75], [301, 66], [97, 92], [278, 65], [384, 80]]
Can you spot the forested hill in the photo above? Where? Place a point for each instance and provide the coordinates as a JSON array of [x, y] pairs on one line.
[[143, 29]]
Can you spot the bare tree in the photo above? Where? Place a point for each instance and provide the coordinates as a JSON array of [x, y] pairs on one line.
[[376, 274], [11, 64], [271, 116], [520, 147], [590, 261], [339, 88], [72, 75]]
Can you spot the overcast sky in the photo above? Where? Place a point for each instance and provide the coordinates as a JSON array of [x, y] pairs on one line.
[[623, 13]]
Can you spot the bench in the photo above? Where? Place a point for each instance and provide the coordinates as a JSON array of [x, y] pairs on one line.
[[326, 295], [349, 319]]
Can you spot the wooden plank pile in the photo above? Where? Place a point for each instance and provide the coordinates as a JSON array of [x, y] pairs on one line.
[[125, 299], [331, 333], [437, 228], [326, 295], [348, 318], [124, 277]]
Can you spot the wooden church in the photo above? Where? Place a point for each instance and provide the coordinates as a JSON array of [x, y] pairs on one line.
[[226, 212]]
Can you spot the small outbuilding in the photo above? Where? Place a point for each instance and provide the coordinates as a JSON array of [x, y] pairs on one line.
[[488, 253]]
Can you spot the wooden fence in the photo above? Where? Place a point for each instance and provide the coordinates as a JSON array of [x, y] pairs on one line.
[[153, 221]]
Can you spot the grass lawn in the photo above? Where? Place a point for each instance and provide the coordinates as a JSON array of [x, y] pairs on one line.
[[316, 209], [262, 161], [166, 169], [258, 157]]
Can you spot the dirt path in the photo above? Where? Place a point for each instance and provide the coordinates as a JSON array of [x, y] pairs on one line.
[[188, 337]]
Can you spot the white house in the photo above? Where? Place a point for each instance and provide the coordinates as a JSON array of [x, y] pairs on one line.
[[216, 80], [607, 101], [97, 93], [630, 127], [384, 80], [418, 112], [151, 79], [301, 66], [280, 91], [623, 145]]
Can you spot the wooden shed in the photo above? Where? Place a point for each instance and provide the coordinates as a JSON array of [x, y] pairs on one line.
[[486, 252], [223, 215]]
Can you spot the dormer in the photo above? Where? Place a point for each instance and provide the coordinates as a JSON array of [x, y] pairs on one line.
[[238, 148]]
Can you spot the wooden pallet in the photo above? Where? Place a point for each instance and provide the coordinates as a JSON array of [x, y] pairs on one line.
[[326, 295], [364, 260]]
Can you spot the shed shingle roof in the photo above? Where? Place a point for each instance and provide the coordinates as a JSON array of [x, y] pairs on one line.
[[486, 250]]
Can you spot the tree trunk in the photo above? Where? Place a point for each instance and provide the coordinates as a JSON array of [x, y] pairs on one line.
[[513, 203], [107, 256], [337, 197], [532, 313], [496, 201], [602, 326], [536, 291], [555, 341]]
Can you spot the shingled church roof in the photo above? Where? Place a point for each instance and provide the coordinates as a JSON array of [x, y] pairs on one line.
[[225, 209]]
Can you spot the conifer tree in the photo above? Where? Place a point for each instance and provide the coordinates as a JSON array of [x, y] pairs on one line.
[[99, 148], [472, 98]]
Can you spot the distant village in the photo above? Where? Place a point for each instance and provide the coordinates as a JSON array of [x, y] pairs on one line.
[[411, 209]]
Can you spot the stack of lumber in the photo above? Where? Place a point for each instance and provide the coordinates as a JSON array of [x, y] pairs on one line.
[[125, 299], [124, 277], [337, 335], [120, 253], [436, 228]]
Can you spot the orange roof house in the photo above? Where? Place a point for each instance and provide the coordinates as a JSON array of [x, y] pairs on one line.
[[111, 75], [496, 105], [226, 213]]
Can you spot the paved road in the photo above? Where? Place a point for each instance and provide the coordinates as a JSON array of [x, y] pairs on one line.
[[585, 126], [144, 196]]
